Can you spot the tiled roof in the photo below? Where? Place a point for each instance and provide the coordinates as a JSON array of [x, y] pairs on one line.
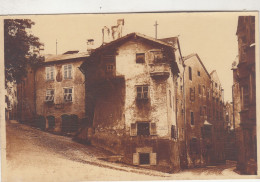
[[60, 57]]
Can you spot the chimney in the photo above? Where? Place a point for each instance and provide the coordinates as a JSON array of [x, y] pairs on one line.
[[118, 29], [106, 35], [120, 25], [90, 45]]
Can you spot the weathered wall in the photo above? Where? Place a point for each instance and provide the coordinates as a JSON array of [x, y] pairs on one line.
[[116, 106], [77, 106]]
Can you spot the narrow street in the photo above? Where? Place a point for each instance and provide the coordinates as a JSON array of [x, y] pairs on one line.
[[34, 155]]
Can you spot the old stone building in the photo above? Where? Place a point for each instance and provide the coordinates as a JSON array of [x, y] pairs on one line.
[[131, 99], [245, 86], [52, 95]]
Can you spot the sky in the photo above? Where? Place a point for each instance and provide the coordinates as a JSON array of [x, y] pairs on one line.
[[211, 35]]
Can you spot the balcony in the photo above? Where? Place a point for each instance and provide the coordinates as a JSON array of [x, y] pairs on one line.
[[158, 70]]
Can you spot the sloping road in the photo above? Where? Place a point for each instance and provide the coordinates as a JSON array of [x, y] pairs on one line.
[[34, 155]]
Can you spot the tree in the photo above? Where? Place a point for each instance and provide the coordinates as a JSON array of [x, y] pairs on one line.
[[21, 49]]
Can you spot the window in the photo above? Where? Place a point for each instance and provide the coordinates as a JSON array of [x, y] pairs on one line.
[[216, 85], [68, 94], [142, 92], [170, 98], [198, 73], [173, 132], [245, 96], [190, 73], [68, 71], [144, 158], [49, 73], [199, 89], [109, 68], [192, 94], [191, 118], [143, 128], [140, 58], [49, 95]]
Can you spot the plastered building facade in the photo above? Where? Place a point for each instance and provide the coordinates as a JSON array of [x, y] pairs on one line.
[[130, 94]]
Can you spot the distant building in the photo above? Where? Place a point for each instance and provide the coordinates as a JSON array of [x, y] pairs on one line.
[[245, 86], [203, 114], [131, 99]]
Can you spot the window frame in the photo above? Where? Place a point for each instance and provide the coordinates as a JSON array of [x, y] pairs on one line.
[[136, 58], [142, 92], [192, 119], [50, 71], [66, 71], [64, 93], [48, 94]]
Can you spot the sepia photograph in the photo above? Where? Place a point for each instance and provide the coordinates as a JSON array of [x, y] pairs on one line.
[[130, 96]]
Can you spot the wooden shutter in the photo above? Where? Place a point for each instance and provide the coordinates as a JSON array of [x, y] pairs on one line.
[[135, 159], [153, 129], [133, 129], [153, 160], [150, 57]]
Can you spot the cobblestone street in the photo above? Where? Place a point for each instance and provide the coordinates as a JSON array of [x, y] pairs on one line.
[[33, 154]]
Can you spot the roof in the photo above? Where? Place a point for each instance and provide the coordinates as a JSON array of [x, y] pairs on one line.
[[134, 34], [170, 40], [195, 54], [63, 57]]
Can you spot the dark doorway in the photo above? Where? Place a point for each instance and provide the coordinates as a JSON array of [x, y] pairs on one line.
[[51, 122], [65, 123], [41, 122], [144, 158]]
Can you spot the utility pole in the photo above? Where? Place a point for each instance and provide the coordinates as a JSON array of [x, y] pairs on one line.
[[156, 24], [56, 46]]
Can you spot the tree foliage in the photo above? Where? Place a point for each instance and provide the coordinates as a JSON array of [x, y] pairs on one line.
[[21, 49]]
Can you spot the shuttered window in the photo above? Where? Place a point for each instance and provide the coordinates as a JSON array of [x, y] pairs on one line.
[[153, 159], [153, 129], [135, 158], [143, 129], [133, 129]]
